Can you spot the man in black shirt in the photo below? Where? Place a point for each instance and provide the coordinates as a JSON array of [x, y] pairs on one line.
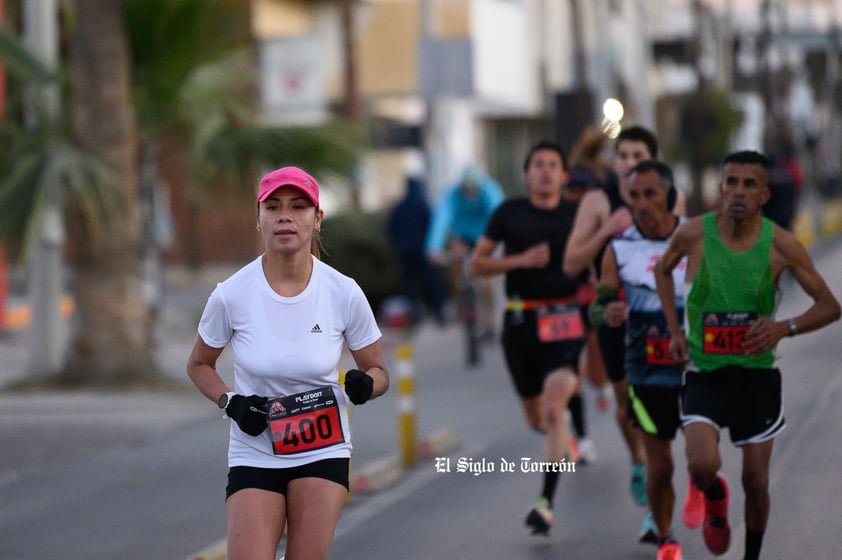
[[543, 326]]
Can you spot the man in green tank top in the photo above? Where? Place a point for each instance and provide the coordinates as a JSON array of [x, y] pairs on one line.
[[735, 257]]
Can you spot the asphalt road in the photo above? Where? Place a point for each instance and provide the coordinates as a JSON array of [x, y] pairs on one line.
[[142, 476]]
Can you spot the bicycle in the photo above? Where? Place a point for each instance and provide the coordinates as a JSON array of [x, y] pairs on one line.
[[467, 313]]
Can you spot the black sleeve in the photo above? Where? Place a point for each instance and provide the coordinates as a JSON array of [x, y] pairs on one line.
[[496, 228]]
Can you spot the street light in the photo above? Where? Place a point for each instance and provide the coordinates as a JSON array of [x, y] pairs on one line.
[[612, 111]]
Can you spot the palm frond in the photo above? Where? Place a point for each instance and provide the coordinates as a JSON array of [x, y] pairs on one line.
[[41, 171], [20, 63], [169, 39], [226, 154]]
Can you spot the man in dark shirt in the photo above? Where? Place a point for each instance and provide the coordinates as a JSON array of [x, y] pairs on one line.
[[543, 326]]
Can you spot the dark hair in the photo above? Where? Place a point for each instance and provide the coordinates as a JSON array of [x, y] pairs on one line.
[[639, 134], [664, 171], [747, 157], [545, 145]]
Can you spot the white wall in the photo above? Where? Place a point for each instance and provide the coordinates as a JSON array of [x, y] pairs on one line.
[[505, 67]]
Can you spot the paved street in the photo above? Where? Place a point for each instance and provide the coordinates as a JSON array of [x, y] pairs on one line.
[[101, 476]]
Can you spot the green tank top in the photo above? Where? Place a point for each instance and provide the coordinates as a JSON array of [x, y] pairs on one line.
[[729, 292]]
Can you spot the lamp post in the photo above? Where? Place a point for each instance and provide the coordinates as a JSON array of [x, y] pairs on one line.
[[40, 19]]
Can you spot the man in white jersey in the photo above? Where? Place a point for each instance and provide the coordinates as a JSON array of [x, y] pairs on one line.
[[287, 316], [654, 380], [602, 215]]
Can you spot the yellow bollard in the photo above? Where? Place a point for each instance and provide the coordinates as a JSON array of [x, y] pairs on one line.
[[406, 404]]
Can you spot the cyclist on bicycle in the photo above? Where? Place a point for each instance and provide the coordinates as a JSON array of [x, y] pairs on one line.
[[458, 221]]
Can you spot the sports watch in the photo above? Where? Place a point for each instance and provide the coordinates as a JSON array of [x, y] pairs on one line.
[[225, 399], [793, 327]]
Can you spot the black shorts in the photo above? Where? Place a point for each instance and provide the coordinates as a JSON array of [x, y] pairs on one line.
[[612, 347], [748, 401], [276, 480], [530, 360], [654, 409]]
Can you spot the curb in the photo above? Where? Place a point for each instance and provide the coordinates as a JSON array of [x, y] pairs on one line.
[[377, 476], [440, 442], [385, 472]]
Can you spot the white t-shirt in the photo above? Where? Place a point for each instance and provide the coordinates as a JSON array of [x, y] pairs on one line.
[[287, 345]]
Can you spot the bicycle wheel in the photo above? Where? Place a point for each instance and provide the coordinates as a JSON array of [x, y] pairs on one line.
[[468, 316]]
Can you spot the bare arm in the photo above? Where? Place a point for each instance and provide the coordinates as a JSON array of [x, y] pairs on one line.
[[483, 263], [610, 275], [789, 253], [370, 360], [615, 311], [201, 368], [680, 245], [592, 228]]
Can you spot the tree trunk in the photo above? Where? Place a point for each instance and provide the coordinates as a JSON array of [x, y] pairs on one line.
[[107, 345]]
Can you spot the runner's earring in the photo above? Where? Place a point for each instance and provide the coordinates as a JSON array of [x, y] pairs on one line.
[[258, 227]]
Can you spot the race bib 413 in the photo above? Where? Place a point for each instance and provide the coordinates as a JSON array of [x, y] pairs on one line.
[[724, 333]]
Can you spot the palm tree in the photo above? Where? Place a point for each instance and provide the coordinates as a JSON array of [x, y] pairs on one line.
[[108, 346], [145, 71]]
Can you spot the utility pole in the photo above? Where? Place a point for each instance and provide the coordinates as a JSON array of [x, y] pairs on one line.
[[4, 267], [352, 97], [351, 109], [695, 201], [434, 128], [768, 83], [46, 251]]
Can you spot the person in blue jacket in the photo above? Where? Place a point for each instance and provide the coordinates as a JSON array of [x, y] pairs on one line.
[[458, 221]]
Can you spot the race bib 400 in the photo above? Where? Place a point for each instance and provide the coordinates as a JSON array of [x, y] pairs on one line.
[[305, 421], [724, 333]]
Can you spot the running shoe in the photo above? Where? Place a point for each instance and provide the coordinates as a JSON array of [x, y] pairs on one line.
[[638, 484], [648, 531], [540, 518], [586, 451], [717, 531], [669, 550], [694, 506]]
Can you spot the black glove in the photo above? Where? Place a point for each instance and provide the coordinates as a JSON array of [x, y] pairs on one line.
[[249, 413], [358, 386]]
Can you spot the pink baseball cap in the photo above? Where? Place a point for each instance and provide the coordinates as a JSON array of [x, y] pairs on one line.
[[289, 177]]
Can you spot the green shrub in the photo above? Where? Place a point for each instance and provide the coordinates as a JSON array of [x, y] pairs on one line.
[[357, 245]]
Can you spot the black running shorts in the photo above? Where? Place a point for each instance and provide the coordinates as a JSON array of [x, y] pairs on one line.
[[612, 347], [747, 401], [276, 480], [654, 409], [530, 360]]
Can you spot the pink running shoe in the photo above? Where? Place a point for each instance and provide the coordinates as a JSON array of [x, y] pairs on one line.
[[669, 551], [716, 530], [694, 506]]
